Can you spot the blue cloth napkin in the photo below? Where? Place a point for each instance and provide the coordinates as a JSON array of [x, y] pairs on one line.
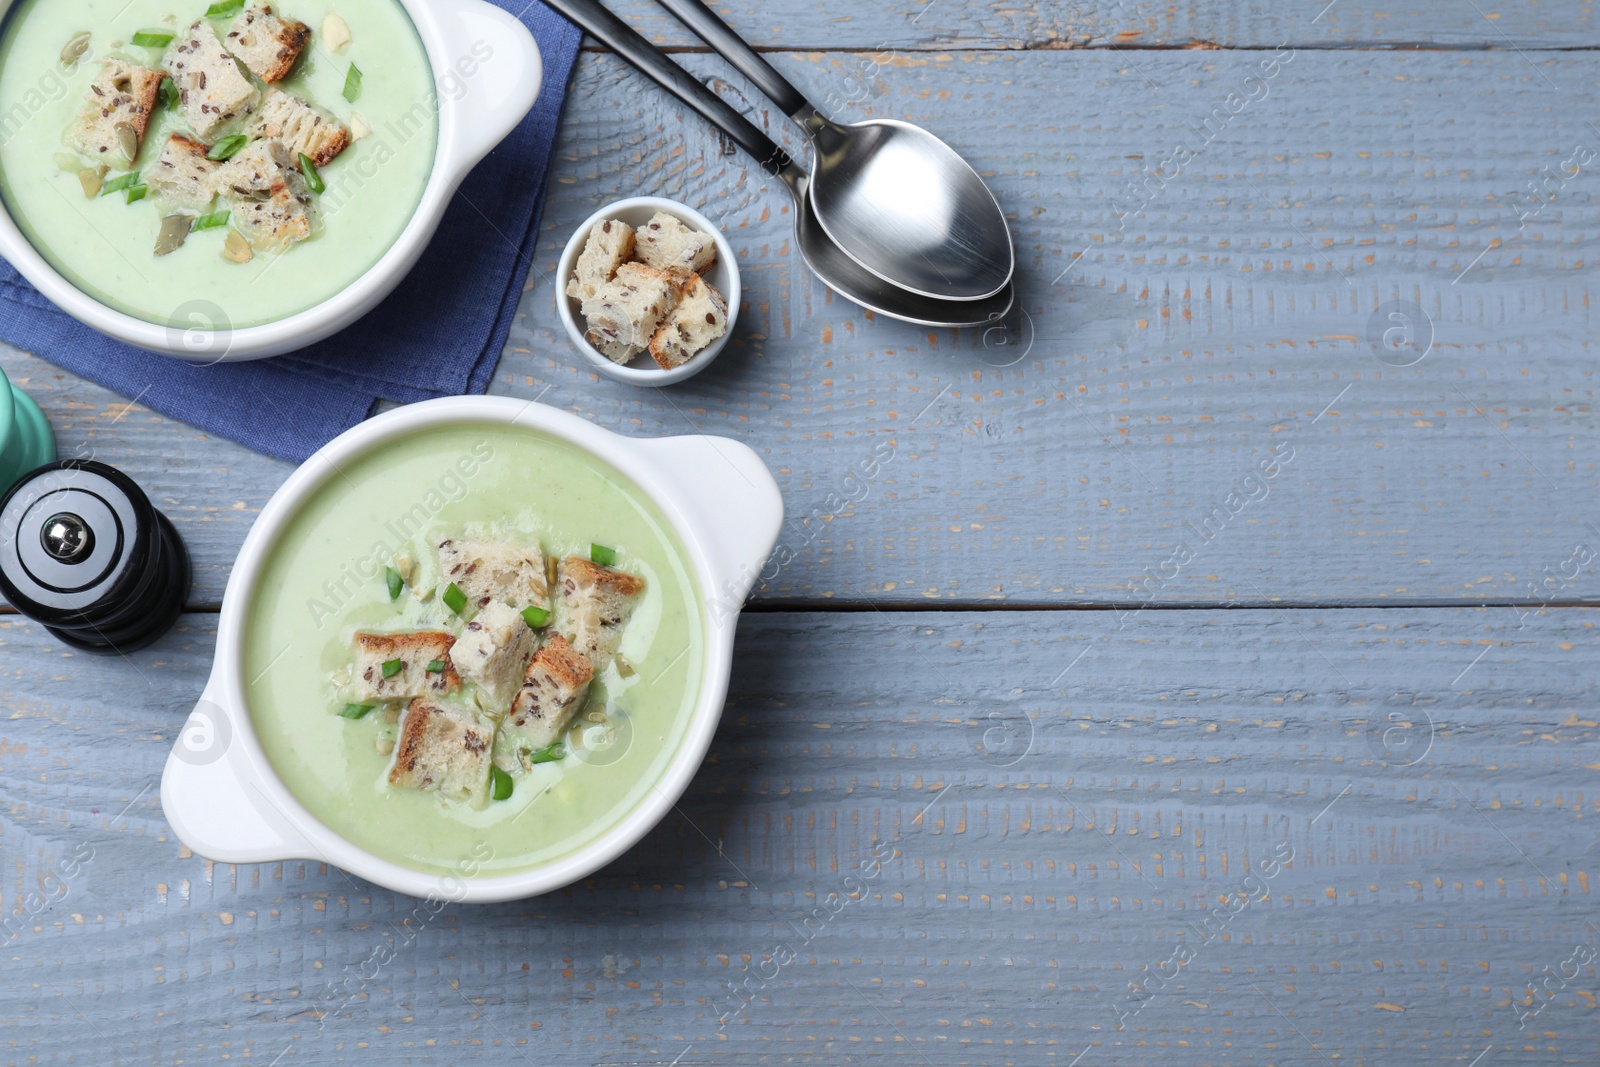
[[439, 334]]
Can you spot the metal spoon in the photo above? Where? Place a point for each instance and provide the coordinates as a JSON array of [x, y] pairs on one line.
[[898, 200], [825, 258]]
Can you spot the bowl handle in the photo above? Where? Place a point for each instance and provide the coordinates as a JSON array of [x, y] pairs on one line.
[[213, 798], [491, 77], [732, 501]]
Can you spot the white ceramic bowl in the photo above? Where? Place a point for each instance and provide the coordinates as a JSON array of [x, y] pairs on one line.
[[723, 276], [220, 792], [489, 104]]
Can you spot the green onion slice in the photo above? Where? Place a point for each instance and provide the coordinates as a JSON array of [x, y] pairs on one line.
[[313, 179], [118, 184], [152, 39], [224, 9], [391, 667], [169, 93], [227, 148], [212, 222], [390, 575], [454, 598], [435, 666], [354, 711], [352, 83], [502, 783], [535, 617], [137, 193], [606, 557], [555, 752]]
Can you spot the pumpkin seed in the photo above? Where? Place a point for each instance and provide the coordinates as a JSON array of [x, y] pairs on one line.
[[91, 180], [236, 249], [128, 139], [75, 50], [174, 231]]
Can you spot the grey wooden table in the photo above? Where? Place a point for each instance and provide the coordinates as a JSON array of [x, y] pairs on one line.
[[1206, 676]]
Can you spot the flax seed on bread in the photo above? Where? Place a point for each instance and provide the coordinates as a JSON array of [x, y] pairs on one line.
[[265, 43], [211, 89], [444, 750], [626, 311], [665, 243], [493, 652], [182, 175], [597, 602], [302, 128], [268, 196], [553, 689], [609, 246], [700, 317], [484, 569], [416, 653], [122, 95]]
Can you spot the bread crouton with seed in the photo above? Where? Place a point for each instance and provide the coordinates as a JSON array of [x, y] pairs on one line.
[[116, 113], [402, 666], [493, 652], [665, 243], [302, 128], [268, 196], [485, 570], [700, 318], [211, 89], [597, 603], [609, 246], [265, 43], [553, 689], [182, 175], [443, 750], [626, 311]]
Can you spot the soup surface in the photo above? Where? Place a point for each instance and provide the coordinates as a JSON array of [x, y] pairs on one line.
[[325, 579], [105, 245]]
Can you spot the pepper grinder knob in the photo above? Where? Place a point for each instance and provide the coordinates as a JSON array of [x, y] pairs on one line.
[[85, 553]]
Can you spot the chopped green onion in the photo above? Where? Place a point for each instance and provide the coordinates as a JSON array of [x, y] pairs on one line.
[[152, 39], [227, 148], [224, 9], [390, 575], [435, 666], [535, 617], [555, 752], [211, 222], [169, 93], [313, 179], [606, 557], [137, 193], [352, 83], [454, 598], [391, 667], [355, 711], [118, 184], [502, 783]]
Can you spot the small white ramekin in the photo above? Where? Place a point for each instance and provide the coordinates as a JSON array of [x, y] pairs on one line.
[[493, 63], [723, 276], [219, 790]]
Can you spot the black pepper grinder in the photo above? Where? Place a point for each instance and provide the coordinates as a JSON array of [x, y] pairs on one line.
[[85, 553]]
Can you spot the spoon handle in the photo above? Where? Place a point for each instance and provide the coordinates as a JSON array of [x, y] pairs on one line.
[[627, 43], [709, 27]]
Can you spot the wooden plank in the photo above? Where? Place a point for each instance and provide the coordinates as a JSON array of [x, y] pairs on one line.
[[1432, 771], [943, 25], [1227, 317]]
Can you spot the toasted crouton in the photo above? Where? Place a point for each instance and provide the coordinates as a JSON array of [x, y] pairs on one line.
[[416, 653], [510, 572], [552, 692], [443, 750], [268, 197], [609, 246], [210, 87], [182, 175], [494, 652], [626, 311], [665, 243], [302, 128], [123, 96], [265, 43], [700, 318], [597, 603]]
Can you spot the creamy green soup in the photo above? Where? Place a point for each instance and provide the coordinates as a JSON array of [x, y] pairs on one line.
[[105, 246], [326, 579]]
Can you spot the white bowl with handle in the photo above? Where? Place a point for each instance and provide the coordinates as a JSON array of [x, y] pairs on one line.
[[219, 789], [507, 73]]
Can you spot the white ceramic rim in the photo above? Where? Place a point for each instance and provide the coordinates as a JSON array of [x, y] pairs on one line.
[[496, 97], [726, 516], [567, 307]]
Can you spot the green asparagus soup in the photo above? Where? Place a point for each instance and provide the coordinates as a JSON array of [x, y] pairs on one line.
[[329, 576], [102, 231]]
